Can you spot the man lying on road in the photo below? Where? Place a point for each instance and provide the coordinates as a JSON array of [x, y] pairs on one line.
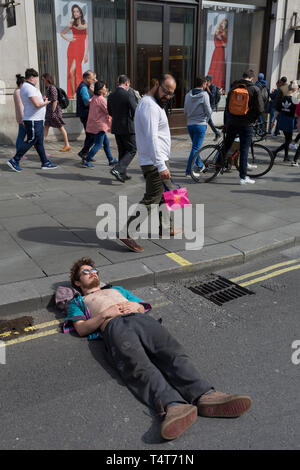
[[150, 361]]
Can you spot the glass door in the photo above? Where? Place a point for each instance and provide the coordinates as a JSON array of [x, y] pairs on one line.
[[164, 42], [149, 45]]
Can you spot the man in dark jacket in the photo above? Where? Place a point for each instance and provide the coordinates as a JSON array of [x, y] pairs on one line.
[[84, 96], [242, 125], [121, 105], [214, 97]]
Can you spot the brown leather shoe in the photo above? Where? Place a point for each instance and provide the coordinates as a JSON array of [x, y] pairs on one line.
[[221, 405], [132, 245], [177, 420]]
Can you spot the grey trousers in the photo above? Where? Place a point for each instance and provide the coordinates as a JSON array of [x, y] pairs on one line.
[[151, 362]]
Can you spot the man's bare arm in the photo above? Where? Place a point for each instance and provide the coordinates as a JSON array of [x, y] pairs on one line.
[[86, 327]]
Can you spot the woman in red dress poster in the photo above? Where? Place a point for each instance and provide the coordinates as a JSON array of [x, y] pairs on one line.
[[78, 49], [218, 64]]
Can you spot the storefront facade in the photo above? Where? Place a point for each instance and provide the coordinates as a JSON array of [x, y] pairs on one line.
[[144, 39]]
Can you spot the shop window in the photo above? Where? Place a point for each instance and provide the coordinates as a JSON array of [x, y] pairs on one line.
[[232, 35], [46, 40]]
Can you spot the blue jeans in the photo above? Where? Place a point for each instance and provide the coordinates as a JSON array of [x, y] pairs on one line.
[[197, 134], [245, 134], [99, 140], [35, 136], [21, 136]]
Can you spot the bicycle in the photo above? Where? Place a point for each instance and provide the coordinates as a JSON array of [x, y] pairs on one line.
[[260, 160]]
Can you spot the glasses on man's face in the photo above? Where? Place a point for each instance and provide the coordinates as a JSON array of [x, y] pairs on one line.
[[85, 272], [167, 92]]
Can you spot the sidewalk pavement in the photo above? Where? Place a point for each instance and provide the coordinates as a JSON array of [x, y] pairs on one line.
[[48, 220]]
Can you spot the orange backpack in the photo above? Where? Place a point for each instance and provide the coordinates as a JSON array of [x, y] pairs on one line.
[[239, 101]]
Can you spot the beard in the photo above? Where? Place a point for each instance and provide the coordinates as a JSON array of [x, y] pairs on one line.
[[161, 102], [94, 282]]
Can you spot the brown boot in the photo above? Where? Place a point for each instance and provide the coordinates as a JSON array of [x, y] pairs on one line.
[[221, 405], [177, 420], [132, 245]]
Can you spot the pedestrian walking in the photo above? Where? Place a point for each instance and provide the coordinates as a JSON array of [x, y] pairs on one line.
[[19, 110], [154, 146], [294, 145], [34, 115], [121, 105], [273, 94], [244, 104], [285, 115], [99, 122], [215, 94], [198, 112], [265, 93], [54, 112], [84, 95]]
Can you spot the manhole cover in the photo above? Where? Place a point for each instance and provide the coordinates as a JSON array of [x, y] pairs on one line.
[[13, 328], [220, 290]]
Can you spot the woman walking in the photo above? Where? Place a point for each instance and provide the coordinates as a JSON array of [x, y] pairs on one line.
[[285, 115], [54, 112], [19, 109], [198, 111], [99, 122]]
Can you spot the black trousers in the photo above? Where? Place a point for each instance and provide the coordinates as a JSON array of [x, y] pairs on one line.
[[89, 138], [151, 362], [127, 149], [285, 146]]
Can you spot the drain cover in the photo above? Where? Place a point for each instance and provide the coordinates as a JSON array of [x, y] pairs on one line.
[[220, 290], [11, 328]]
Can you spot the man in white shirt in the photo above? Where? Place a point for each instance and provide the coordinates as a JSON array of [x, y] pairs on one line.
[[153, 141], [34, 116]]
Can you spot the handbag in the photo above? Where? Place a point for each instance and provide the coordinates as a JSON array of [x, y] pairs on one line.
[[175, 198]]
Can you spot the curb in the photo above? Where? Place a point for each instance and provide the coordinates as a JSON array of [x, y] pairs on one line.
[[29, 296]]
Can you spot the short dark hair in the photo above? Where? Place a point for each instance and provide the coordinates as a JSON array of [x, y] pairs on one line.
[[31, 73], [74, 273], [249, 74], [200, 81], [48, 77], [87, 74], [122, 79], [20, 79], [163, 77], [283, 79], [98, 86], [209, 78]]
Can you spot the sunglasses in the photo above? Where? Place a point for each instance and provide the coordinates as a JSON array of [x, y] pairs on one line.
[[89, 271], [167, 92]]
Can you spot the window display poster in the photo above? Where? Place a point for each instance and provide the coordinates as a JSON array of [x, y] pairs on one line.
[[219, 47], [74, 42]]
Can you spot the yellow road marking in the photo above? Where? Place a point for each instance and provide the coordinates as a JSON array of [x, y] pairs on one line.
[[40, 326], [22, 339], [178, 259], [264, 270], [268, 276]]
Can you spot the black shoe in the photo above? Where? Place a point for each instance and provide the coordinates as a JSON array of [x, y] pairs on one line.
[[126, 177], [117, 175], [82, 155], [217, 137]]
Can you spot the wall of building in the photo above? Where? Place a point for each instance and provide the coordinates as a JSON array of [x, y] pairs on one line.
[[283, 54], [18, 51]]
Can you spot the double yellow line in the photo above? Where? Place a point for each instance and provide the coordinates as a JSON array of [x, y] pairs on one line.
[[291, 266]]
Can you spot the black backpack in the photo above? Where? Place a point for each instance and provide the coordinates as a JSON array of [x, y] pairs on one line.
[[264, 94], [63, 99]]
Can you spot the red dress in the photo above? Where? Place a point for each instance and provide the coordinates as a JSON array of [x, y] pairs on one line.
[[218, 65], [76, 51]]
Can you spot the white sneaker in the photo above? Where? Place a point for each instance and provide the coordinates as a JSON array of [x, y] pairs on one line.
[[295, 164], [250, 166], [293, 146], [246, 180]]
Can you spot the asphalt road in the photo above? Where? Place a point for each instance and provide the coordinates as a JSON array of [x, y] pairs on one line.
[[57, 391]]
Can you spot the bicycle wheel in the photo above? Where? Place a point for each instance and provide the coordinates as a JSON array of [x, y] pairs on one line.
[[209, 155], [260, 161]]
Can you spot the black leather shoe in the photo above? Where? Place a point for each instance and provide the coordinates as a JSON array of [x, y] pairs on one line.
[[117, 175]]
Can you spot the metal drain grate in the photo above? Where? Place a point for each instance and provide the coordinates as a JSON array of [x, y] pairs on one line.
[[220, 290]]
